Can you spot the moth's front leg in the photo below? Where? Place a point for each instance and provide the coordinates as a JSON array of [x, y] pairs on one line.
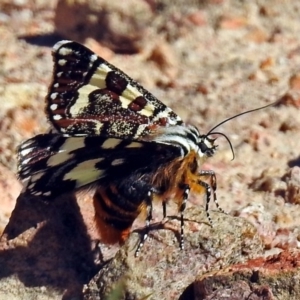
[[209, 189]]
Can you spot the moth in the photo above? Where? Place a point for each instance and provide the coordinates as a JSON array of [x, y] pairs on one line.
[[109, 132]]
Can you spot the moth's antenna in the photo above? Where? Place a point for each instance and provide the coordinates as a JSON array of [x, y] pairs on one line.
[[211, 132], [240, 114]]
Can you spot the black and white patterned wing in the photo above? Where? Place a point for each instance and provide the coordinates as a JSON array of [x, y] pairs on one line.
[[89, 96], [53, 164]]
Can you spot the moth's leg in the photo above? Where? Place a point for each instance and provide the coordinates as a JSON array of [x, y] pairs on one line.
[[213, 183], [149, 200], [185, 195], [208, 196]]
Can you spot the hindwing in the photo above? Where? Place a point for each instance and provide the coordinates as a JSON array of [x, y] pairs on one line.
[[52, 164]]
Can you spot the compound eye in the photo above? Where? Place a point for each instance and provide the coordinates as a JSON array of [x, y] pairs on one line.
[[203, 147], [207, 150]]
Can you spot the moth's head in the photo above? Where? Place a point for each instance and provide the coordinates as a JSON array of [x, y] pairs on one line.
[[207, 146]]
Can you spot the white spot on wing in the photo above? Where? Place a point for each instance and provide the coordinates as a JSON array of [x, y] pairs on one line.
[[85, 172], [36, 193], [26, 151], [59, 158], [93, 57], [53, 96], [31, 186], [134, 145], [62, 62], [53, 106], [26, 161], [110, 143], [24, 173], [72, 143], [57, 117], [65, 51], [117, 162], [35, 178]]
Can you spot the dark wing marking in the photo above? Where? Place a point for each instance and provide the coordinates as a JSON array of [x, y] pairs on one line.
[[52, 164], [89, 96]]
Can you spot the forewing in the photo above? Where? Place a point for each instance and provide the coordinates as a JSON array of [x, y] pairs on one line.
[[52, 164], [89, 96]]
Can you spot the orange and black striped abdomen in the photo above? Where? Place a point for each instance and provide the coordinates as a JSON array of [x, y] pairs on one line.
[[117, 206]]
